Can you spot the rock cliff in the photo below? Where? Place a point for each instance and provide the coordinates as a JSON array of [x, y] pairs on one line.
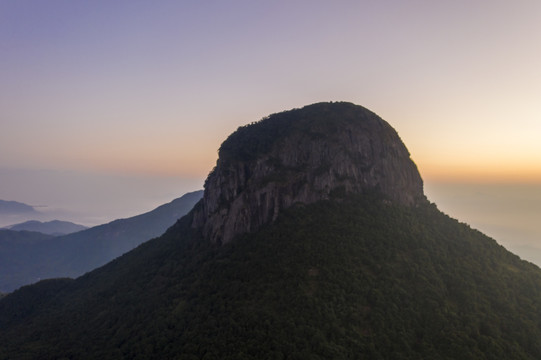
[[304, 155]]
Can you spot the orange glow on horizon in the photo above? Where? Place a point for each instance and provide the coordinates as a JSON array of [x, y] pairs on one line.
[[200, 166], [479, 173]]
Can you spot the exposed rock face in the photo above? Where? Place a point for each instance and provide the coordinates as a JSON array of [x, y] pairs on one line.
[[302, 156]]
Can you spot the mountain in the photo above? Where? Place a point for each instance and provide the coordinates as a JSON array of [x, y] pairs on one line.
[[14, 207], [18, 250], [347, 260], [74, 254], [54, 227], [303, 156], [12, 212]]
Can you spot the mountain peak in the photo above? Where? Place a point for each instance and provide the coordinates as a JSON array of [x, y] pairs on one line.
[[321, 151]]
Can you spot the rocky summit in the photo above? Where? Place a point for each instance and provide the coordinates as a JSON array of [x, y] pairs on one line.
[[321, 151]]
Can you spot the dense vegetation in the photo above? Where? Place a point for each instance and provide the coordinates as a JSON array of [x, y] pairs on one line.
[[28, 257], [251, 141], [357, 279]]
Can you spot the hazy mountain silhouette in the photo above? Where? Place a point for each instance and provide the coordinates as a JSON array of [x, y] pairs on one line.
[[14, 207], [42, 257], [54, 227], [12, 212], [19, 251], [313, 241]]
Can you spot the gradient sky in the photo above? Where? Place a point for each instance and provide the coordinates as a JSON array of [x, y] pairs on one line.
[[143, 92]]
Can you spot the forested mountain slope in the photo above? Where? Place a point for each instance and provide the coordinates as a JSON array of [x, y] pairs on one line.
[[335, 279]]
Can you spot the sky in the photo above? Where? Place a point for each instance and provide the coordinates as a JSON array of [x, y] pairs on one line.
[[110, 108]]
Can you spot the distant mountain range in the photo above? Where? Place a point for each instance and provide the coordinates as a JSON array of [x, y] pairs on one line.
[[14, 212], [27, 257], [54, 227], [19, 251], [14, 207]]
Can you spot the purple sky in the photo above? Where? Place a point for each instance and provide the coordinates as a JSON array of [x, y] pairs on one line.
[[110, 108], [153, 87]]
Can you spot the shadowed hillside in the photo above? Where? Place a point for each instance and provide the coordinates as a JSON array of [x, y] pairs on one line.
[[74, 254]]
